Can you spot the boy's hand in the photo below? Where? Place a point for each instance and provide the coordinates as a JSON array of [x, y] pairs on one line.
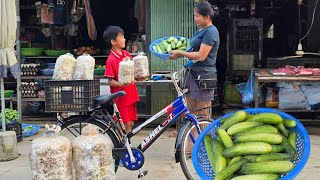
[[127, 84]]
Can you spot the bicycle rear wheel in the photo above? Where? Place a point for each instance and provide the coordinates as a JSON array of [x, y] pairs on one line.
[[72, 127], [188, 140]]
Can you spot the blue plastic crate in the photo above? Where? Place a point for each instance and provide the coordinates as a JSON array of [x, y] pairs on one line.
[[30, 132], [200, 158], [164, 56]]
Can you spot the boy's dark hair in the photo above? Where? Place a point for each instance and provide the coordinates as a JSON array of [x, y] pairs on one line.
[[111, 33]]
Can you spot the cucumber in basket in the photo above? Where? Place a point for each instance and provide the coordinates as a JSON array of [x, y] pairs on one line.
[[258, 145]]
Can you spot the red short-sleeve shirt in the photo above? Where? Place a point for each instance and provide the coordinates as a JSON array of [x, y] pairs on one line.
[[112, 70]]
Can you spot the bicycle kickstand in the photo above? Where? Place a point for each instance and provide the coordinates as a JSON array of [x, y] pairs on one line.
[[142, 173]]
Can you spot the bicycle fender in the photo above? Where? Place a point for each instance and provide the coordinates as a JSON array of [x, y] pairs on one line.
[[179, 140]]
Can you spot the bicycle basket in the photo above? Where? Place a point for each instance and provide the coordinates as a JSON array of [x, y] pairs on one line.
[[200, 158], [164, 56]]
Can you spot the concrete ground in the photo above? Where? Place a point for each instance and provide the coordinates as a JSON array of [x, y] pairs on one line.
[[159, 160]]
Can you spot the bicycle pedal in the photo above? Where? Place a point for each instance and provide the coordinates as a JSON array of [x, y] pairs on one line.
[[142, 173]]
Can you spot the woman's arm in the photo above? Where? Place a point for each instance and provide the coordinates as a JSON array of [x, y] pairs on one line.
[[199, 55]]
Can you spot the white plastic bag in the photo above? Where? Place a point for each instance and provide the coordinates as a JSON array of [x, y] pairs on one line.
[[51, 157], [64, 68], [92, 155], [312, 93], [141, 66], [291, 97], [126, 71], [84, 68]]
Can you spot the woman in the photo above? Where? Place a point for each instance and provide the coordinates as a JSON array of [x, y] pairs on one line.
[[205, 45]]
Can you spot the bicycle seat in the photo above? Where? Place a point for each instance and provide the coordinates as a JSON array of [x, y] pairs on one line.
[[106, 98]]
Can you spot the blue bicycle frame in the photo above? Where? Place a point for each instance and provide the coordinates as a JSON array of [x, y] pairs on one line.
[[174, 111]]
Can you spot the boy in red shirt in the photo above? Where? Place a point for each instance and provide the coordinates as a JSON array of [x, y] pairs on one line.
[[114, 37]]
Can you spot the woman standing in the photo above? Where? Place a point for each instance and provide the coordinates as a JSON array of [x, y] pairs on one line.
[[205, 45]]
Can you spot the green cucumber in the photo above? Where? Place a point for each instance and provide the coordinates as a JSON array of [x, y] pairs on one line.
[[169, 49], [289, 123], [235, 118], [274, 157], [235, 159], [229, 170], [264, 128], [251, 158], [292, 139], [170, 39], [159, 49], [208, 146], [277, 148], [225, 138], [257, 177], [173, 45], [155, 49], [271, 138], [242, 126], [179, 44], [280, 167], [267, 118], [249, 148], [288, 148], [164, 44], [219, 160], [283, 130]]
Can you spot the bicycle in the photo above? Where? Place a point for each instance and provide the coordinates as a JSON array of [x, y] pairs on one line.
[[132, 157]]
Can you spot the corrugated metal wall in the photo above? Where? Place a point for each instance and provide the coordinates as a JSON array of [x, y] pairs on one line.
[[170, 18]]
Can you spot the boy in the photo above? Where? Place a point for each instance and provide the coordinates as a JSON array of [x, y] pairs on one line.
[[114, 37]]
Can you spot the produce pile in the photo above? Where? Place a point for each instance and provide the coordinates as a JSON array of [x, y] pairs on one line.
[[11, 116], [247, 146], [172, 43], [87, 50]]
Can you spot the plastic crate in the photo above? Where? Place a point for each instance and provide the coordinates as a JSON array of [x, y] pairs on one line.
[[74, 96], [16, 128], [200, 158]]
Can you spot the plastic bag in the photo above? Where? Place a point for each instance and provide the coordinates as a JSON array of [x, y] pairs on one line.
[[64, 68], [51, 156], [92, 155], [247, 89], [272, 98], [84, 68], [126, 71], [292, 97], [312, 93], [141, 66], [231, 95]]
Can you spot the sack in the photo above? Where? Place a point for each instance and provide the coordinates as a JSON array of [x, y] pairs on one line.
[[141, 66], [84, 68], [291, 97], [64, 68], [312, 93], [205, 80], [126, 71]]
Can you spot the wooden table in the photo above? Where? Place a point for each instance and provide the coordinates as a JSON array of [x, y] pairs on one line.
[[265, 75]]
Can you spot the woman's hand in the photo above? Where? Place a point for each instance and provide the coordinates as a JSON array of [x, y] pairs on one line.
[[175, 54]]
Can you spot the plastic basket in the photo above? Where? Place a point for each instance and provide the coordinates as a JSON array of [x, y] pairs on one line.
[[164, 56], [200, 158], [74, 96], [32, 132]]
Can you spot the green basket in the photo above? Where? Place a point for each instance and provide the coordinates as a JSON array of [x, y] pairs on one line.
[[55, 53], [99, 71], [28, 52]]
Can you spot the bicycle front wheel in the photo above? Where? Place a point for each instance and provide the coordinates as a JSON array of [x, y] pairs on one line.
[[188, 140]]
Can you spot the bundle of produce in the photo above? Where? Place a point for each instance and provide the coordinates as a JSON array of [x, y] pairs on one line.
[[126, 71]]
